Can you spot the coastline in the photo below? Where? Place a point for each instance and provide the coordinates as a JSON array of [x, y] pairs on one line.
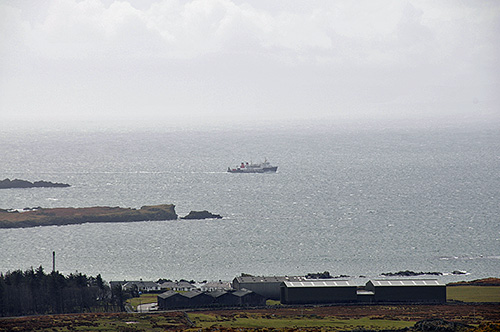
[[21, 184], [69, 216]]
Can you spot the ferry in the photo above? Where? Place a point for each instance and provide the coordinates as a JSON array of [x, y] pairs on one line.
[[246, 167]]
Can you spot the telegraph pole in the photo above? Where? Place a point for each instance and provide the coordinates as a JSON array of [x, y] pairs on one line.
[[53, 261]]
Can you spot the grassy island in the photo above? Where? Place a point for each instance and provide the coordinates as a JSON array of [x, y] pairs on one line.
[[68, 216]]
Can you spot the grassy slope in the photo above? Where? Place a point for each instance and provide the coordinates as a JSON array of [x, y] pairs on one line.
[[66, 216], [473, 293], [267, 321]]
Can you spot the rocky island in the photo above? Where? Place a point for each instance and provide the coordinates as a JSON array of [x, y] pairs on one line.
[[202, 215], [17, 183], [68, 216]]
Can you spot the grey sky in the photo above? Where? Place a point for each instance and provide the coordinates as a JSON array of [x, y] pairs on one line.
[[223, 61]]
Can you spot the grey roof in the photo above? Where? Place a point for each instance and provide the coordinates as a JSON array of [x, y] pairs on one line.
[[168, 284], [252, 279], [185, 284], [193, 293], [242, 292], [217, 285], [217, 293], [168, 294], [319, 283], [407, 282]]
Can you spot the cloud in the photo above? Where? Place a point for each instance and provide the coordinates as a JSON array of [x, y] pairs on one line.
[[218, 57], [366, 31]]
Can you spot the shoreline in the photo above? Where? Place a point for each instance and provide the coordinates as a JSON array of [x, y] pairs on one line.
[[71, 216]]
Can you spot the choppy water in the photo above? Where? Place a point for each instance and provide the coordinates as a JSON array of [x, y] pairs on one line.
[[346, 201]]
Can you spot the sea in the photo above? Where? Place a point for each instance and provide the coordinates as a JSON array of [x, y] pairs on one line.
[[356, 202]]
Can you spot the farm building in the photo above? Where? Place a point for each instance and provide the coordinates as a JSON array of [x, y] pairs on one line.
[[196, 298], [407, 290], [249, 298], [224, 298], [318, 291], [268, 287], [171, 299]]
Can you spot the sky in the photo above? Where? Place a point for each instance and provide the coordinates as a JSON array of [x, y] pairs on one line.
[[227, 62]]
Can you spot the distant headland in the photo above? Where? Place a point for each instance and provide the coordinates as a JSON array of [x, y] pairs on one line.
[[68, 216], [32, 217], [17, 183]]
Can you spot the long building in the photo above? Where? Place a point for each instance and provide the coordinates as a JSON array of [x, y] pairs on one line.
[[198, 299], [268, 287], [318, 291], [407, 290], [376, 291]]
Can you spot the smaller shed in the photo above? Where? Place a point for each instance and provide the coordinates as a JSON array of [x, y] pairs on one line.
[[224, 298], [171, 299], [196, 298], [249, 298], [318, 291], [408, 290]]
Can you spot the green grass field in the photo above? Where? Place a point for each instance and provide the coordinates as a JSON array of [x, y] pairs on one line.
[[279, 322], [143, 299], [473, 293]]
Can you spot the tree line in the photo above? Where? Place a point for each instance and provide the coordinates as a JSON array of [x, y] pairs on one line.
[[34, 292]]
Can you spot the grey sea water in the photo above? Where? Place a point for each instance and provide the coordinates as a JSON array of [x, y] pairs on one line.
[[352, 202]]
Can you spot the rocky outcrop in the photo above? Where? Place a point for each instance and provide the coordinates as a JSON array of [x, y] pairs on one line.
[[202, 215], [408, 273], [16, 183], [68, 216]]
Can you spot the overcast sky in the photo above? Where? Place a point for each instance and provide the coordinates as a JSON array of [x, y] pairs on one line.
[[225, 61]]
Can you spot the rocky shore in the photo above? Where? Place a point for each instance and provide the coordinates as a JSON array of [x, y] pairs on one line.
[[32, 217], [202, 215], [17, 183], [68, 216]]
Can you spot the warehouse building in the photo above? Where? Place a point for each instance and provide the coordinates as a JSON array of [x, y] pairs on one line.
[[171, 299], [249, 298], [199, 299], [224, 298], [318, 291], [268, 287], [407, 290]]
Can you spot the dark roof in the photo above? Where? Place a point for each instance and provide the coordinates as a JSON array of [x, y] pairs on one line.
[[168, 294], [217, 293], [193, 293], [242, 292]]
